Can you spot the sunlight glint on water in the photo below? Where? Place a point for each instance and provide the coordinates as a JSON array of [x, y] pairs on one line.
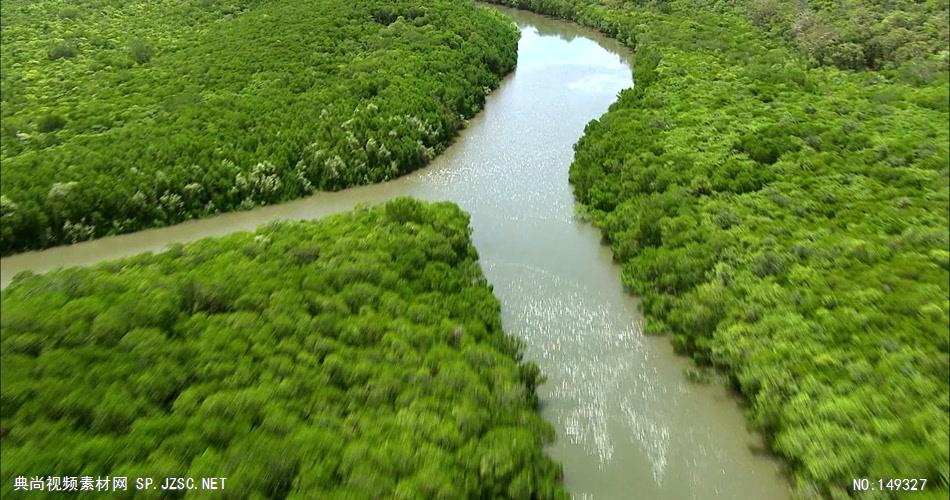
[[629, 425]]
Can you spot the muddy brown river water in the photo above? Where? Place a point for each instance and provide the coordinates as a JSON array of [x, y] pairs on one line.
[[629, 424]]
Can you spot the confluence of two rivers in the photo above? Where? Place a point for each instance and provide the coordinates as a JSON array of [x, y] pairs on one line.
[[629, 424]]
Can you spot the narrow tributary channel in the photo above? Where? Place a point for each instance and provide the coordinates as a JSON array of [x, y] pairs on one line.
[[629, 424]]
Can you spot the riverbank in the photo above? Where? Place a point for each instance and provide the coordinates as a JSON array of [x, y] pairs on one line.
[[359, 356], [785, 223], [121, 116], [626, 417]]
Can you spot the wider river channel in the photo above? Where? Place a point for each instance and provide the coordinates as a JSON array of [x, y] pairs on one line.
[[629, 424]]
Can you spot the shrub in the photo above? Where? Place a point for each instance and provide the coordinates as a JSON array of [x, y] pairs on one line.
[[141, 51], [49, 123], [62, 51]]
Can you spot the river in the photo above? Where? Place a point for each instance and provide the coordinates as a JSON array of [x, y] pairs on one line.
[[629, 424]]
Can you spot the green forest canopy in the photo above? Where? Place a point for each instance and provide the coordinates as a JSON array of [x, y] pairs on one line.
[[120, 115], [786, 221], [361, 356]]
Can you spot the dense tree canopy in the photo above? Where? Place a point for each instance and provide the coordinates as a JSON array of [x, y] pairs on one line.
[[788, 224], [120, 115], [361, 356], [907, 34]]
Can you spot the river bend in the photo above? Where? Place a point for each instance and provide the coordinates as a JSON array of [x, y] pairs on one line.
[[629, 424]]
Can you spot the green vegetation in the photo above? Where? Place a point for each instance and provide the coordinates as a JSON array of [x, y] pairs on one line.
[[855, 34], [120, 115], [787, 222], [361, 356]]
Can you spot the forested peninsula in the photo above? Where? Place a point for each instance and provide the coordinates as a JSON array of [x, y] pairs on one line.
[[360, 356], [776, 188], [119, 116]]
